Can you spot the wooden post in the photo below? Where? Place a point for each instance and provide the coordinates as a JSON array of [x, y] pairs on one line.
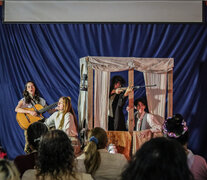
[[131, 101], [90, 98], [170, 94]]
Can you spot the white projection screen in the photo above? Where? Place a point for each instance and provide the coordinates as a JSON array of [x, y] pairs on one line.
[[81, 11]]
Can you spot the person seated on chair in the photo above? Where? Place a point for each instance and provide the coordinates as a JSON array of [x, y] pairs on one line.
[[160, 159], [34, 132], [176, 128], [143, 119], [55, 159], [97, 161]]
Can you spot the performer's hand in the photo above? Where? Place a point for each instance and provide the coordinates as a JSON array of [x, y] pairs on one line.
[[128, 108], [129, 89], [33, 113], [118, 90], [57, 108]]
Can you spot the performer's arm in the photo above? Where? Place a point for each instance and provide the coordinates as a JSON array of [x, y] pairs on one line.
[[19, 109], [154, 123]]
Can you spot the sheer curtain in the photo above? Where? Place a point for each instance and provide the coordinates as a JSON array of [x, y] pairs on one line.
[[101, 100], [156, 96]]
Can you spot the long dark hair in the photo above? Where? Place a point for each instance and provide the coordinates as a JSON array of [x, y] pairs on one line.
[[55, 155], [159, 158], [26, 95]]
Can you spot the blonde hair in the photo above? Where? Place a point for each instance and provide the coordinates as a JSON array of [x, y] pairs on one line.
[[8, 170], [92, 156], [67, 107]]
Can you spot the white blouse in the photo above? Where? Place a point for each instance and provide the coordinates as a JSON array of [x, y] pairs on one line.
[[68, 126]]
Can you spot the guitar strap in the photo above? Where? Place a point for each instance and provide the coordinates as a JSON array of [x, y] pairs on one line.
[[33, 102]]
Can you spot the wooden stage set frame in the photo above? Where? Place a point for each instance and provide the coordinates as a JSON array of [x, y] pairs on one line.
[[94, 92]]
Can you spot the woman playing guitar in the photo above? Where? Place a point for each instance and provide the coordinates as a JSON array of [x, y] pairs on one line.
[[31, 97]]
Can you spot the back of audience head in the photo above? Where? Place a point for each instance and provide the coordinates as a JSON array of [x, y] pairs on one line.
[[159, 158], [55, 155], [8, 170], [175, 128], [97, 140], [34, 132]]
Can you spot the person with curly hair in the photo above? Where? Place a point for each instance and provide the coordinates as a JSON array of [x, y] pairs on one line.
[[97, 161], [65, 119], [176, 128], [34, 132], [159, 158], [117, 100], [55, 159], [30, 98]]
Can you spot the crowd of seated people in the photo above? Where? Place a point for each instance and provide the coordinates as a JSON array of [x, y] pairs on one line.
[[53, 157]]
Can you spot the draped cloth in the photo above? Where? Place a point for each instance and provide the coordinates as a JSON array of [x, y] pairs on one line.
[[155, 72], [122, 140], [140, 137]]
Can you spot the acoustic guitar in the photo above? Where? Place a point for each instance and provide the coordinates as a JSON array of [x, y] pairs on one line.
[[25, 119]]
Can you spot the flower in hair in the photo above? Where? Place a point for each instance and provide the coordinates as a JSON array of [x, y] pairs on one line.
[[172, 134], [94, 139]]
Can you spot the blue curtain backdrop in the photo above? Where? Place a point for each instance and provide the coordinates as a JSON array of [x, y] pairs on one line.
[[49, 55]]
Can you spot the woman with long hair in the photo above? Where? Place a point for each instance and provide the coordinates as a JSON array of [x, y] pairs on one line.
[[65, 119], [97, 161], [30, 98], [55, 159]]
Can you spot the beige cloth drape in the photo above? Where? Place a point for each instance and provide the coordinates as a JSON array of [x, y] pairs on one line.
[[140, 137], [101, 94]]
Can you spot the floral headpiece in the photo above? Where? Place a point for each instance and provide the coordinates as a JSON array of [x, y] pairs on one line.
[[172, 134]]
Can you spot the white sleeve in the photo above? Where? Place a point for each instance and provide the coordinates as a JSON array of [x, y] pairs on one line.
[[154, 123], [51, 120]]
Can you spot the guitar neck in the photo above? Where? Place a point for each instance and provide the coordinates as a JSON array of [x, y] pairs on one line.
[[47, 108]]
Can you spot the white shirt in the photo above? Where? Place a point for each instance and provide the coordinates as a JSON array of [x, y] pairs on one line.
[[111, 167], [68, 126]]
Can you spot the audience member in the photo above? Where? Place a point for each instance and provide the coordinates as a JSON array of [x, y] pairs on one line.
[[175, 128], [8, 171], [97, 161], [55, 159], [159, 158], [34, 132]]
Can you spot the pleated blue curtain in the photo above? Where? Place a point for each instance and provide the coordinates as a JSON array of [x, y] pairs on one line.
[[49, 55]]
